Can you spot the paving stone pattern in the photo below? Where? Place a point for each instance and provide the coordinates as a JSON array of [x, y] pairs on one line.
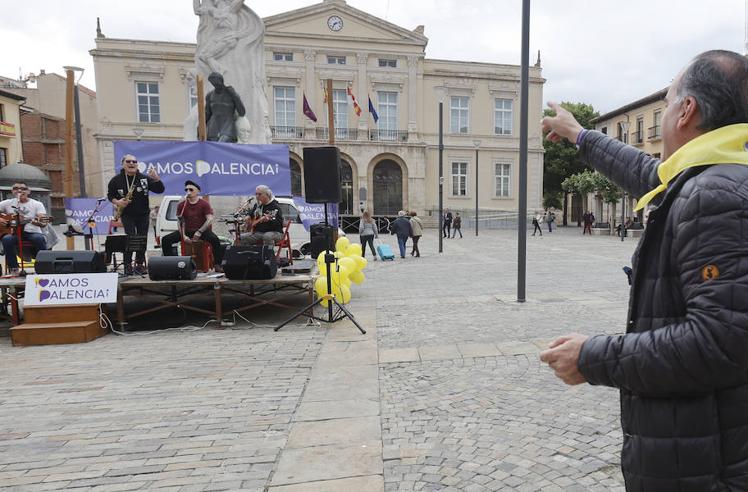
[[445, 392]]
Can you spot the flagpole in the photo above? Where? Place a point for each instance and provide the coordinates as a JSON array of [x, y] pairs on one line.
[[330, 116]]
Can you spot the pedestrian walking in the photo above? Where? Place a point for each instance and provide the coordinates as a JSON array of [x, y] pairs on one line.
[[536, 220], [401, 228], [416, 226], [550, 219], [682, 365], [588, 218], [457, 225], [367, 231], [447, 220]]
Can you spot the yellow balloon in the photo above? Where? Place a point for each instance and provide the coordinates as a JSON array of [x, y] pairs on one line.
[[348, 263], [357, 277], [353, 250], [361, 262], [345, 296], [342, 244], [320, 285], [343, 271]]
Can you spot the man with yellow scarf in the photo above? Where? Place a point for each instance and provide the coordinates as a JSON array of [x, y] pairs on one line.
[[682, 366]]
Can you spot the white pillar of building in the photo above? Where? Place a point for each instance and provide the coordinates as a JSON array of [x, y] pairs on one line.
[[412, 93], [363, 59]]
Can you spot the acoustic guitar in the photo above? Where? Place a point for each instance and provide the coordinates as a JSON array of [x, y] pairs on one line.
[[252, 222], [11, 221]]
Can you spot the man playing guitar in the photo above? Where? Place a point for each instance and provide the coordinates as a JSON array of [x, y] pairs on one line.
[[33, 217], [135, 211], [195, 218], [265, 221]]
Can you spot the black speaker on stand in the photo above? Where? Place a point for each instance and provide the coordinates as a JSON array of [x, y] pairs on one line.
[[322, 170], [322, 185]]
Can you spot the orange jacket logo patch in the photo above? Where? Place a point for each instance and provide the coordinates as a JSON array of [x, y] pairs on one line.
[[710, 272]]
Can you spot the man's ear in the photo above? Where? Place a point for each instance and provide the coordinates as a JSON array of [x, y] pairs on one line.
[[688, 114]]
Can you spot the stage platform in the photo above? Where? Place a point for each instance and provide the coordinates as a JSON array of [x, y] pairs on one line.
[[184, 294]]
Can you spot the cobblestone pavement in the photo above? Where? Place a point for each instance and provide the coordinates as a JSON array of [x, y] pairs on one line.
[[455, 421], [445, 392]]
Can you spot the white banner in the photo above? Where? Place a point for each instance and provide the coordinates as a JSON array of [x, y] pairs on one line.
[[78, 288]]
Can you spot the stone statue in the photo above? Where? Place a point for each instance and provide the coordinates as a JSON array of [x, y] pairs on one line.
[[230, 42], [220, 105]]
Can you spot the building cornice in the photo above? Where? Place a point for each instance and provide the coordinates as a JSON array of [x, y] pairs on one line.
[[657, 96], [407, 36]]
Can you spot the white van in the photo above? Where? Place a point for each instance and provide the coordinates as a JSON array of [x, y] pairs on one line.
[[167, 222]]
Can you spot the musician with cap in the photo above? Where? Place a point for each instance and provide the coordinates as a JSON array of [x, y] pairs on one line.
[[195, 220]]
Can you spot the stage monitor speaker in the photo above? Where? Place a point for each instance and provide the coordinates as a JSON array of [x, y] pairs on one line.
[[250, 263], [63, 262], [321, 237], [322, 170], [171, 268]]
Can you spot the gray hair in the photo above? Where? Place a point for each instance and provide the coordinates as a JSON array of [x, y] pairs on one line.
[[266, 190], [718, 80], [401, 213]]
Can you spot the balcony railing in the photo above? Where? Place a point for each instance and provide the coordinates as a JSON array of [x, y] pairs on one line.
[[388, 135], [654, 132], [287, 132], [636, 138], [340, 133]]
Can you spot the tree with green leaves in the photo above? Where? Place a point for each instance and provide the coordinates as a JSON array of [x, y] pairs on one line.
[[561, 160]]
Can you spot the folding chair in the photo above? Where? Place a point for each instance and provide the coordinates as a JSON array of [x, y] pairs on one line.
[[285, 243]]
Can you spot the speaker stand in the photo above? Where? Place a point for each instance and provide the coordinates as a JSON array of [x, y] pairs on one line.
[[342, 312]]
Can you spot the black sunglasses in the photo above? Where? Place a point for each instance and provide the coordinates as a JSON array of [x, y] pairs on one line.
[[131, 162], [190, 189], [20, 188]]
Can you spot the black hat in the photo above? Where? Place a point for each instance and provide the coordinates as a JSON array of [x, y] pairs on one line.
[[190, 182]]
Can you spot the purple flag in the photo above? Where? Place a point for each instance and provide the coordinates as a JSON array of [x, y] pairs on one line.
[[308, 111], [373, 111]]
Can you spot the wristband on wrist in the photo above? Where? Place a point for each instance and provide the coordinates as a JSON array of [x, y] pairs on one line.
[[580, 138]]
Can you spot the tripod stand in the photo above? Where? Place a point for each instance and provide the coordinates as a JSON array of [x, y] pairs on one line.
[[341, 312]]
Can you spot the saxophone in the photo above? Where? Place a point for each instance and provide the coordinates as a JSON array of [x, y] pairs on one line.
[[121, 208]]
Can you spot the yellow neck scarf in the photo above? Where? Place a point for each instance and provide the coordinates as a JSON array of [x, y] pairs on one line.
[[726, 145]]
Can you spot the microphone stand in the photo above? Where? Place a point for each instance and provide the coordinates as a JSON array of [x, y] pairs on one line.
[[91, 224]]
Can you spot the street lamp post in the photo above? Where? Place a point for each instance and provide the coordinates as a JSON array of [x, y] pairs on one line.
[[477, 145], [441, 175], [623, 215]]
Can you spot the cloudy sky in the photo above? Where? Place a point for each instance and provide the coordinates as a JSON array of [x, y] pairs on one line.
[[603, 52]]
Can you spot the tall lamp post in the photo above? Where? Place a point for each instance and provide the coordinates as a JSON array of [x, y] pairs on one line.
[[623, 215], [440, 95], [477, 145], [523, 135]]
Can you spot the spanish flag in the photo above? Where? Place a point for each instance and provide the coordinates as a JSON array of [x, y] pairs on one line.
[[356, 107]]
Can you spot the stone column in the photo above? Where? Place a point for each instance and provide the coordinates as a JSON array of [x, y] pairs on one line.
[[361, 95], [412, 95]]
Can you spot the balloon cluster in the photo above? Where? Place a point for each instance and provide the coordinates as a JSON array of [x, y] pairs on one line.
[[346, 270]]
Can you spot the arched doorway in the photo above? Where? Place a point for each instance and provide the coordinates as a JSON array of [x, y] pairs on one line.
[[345, 207], [295, 178], [388, 188]]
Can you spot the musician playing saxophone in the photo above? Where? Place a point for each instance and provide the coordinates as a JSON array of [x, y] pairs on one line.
[[135, 212], [31, 214]]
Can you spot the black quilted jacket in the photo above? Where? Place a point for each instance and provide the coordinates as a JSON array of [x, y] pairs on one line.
[[682, 367]]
